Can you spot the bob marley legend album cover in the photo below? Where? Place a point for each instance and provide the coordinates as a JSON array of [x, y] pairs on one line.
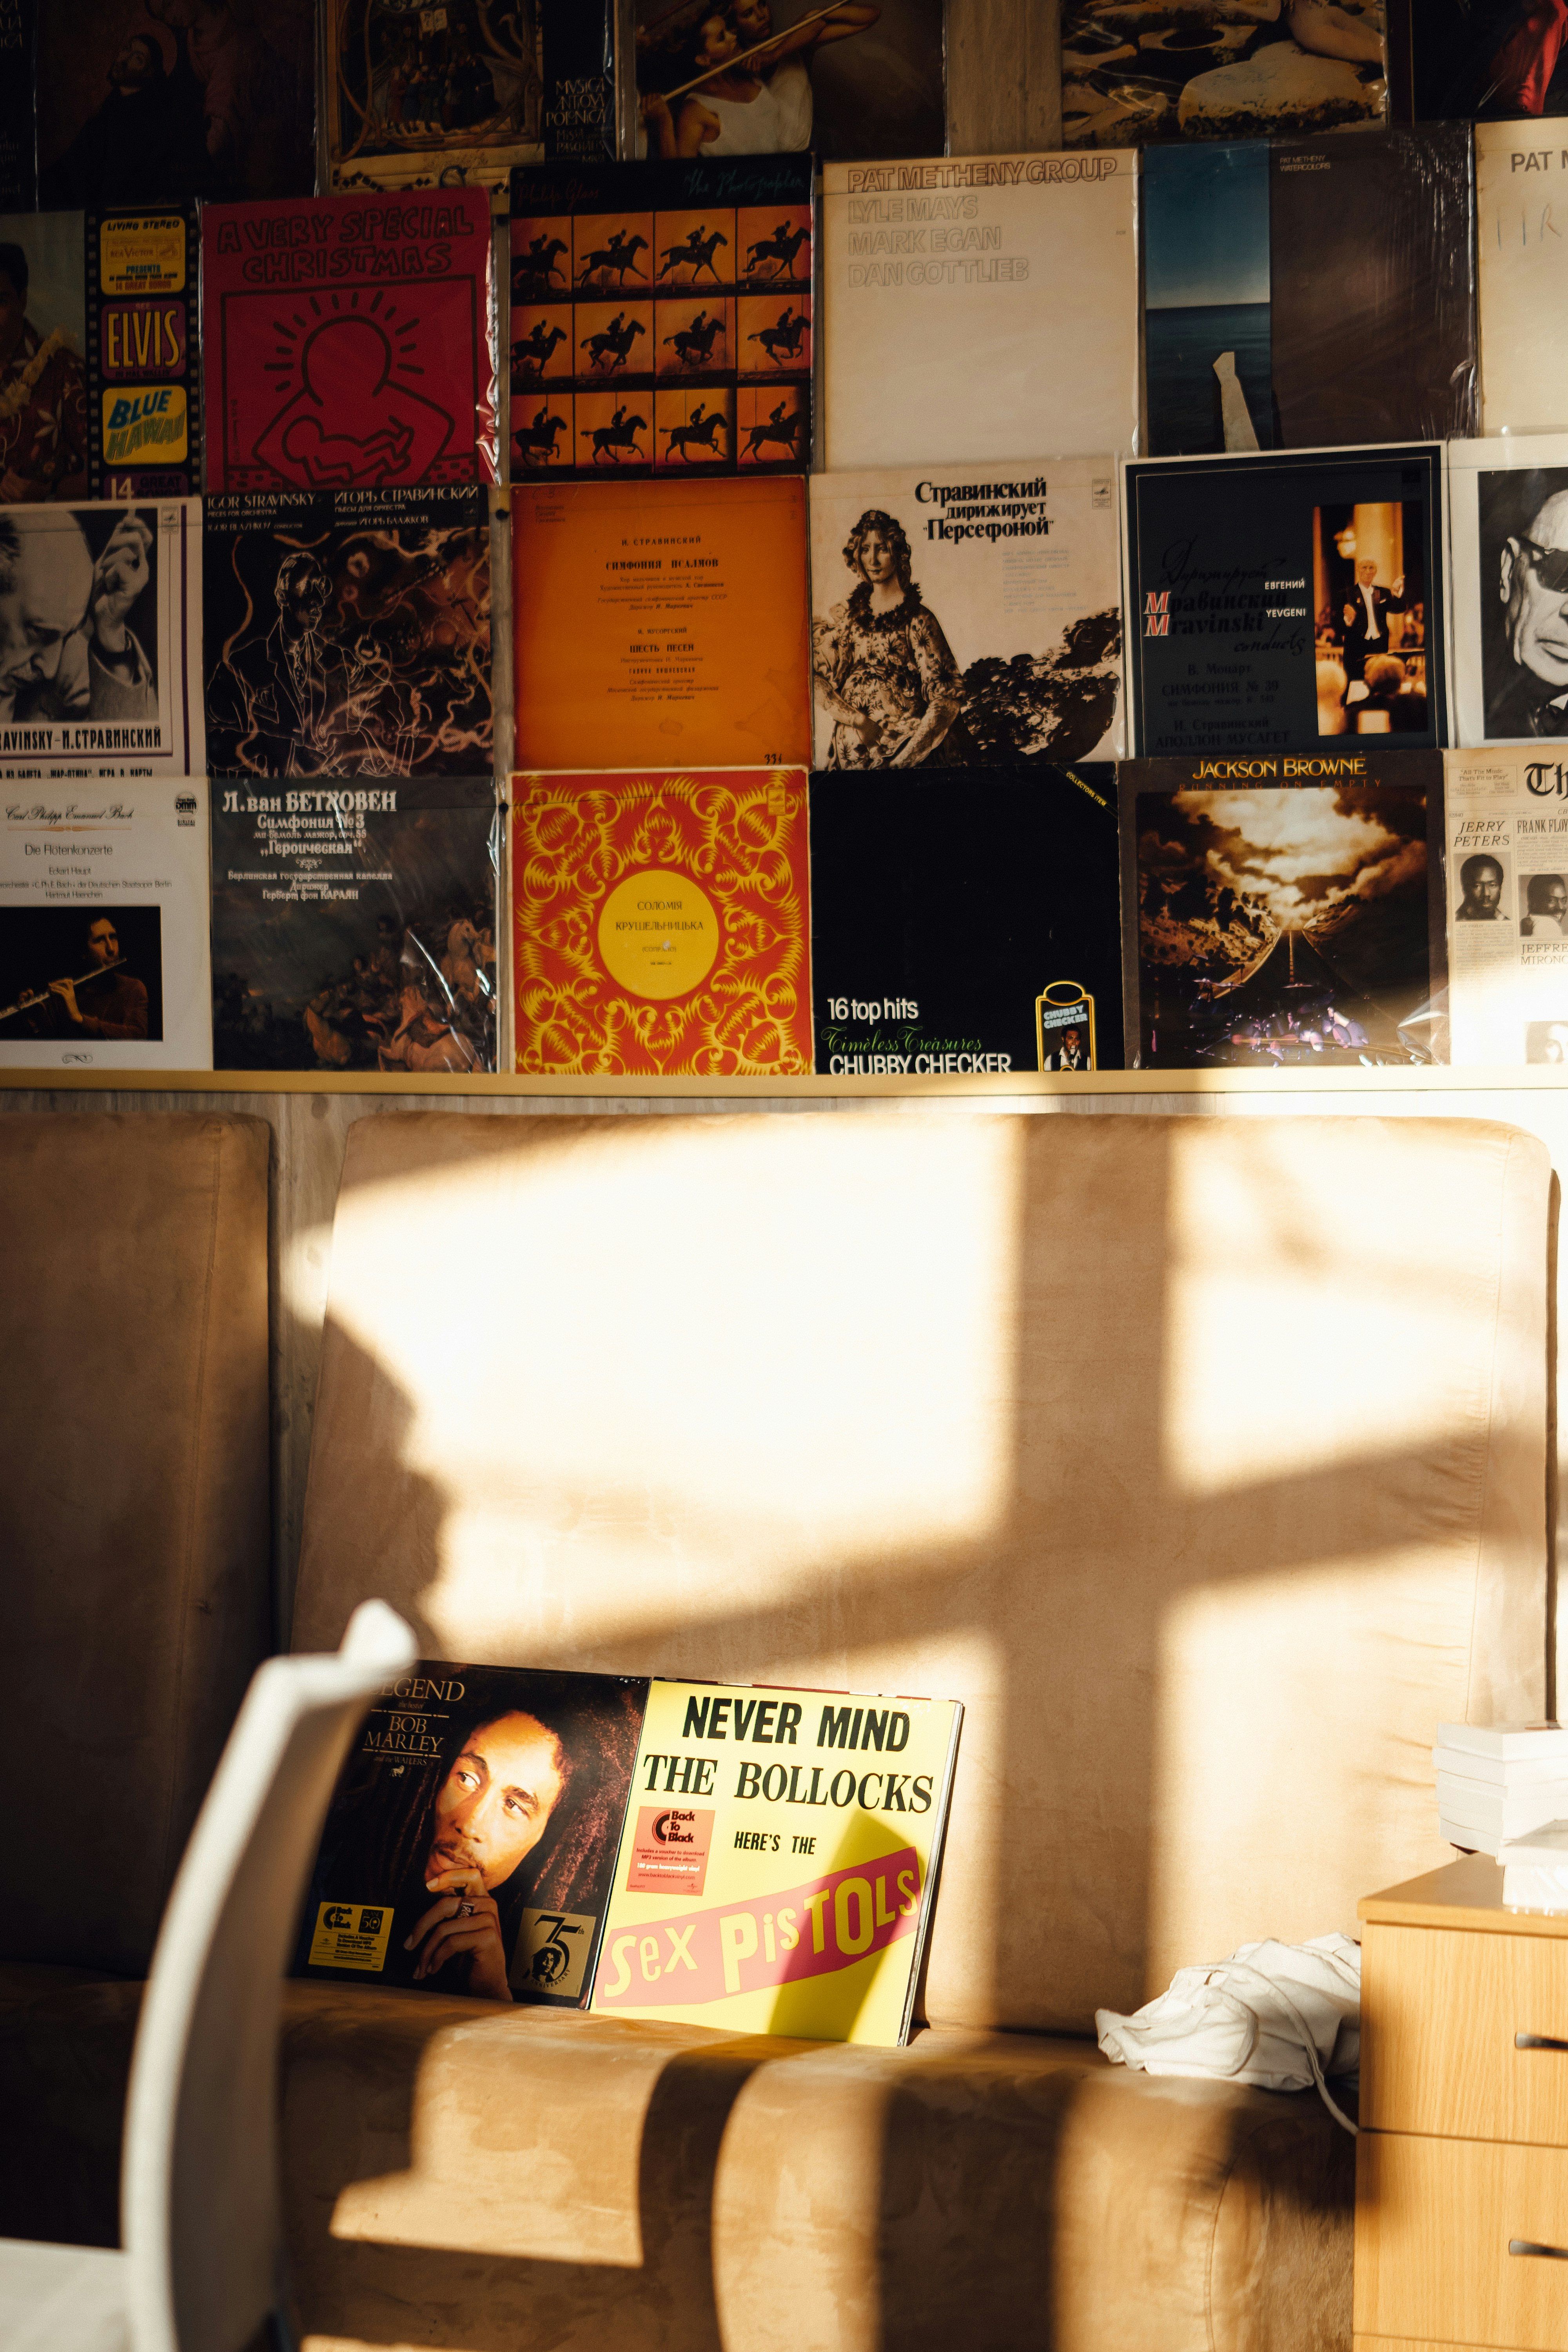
[[471, 1840]]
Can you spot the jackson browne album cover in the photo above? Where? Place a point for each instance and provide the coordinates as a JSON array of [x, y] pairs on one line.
[[1284, 909], [967, 614], [471, 1840], [1278, 603]]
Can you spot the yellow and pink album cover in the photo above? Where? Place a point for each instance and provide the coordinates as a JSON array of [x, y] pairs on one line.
[[662, 923], [778, 1860]]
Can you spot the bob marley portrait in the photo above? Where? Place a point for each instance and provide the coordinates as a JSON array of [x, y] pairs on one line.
[[474, 1794]]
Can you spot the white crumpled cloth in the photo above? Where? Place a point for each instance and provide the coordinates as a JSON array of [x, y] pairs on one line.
[[1281, 2015]]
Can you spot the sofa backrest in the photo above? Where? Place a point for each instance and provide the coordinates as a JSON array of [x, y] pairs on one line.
[[1205, 1459], [133, 1512]]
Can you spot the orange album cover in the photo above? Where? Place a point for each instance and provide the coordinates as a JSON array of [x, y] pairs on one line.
[[665, 621], [661, 924]]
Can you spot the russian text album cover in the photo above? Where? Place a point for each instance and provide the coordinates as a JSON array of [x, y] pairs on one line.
[[1274, 321], [967, 614], [348, 633], [1281, 908], [661, 318], [1232, 72], [778, 1862], [665, 612], [141, 100], [1508, 907], [103, 925], [353, 925], [349, 341], [106, 681], [472, 1835], [979, 305], [1278, 600], [779, 77], [965, 922], [661, 924]]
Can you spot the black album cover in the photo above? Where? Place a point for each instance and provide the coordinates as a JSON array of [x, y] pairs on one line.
[[471, 1840], [1275, 320], [1280, 909], [1276, 601], [353, 925], [661, 318], [1488, 59], [348, 633], [964, 922], [18, 148]]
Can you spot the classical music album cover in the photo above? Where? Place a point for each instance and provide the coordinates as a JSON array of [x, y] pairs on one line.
[[1273, 320], [1522, 172], [979, 307], [965, 615], [1509, 538], [965, 923], [672, 614], [1488, 57], [349, 341], [1508, 906], [103, 925], [1284, 909], [144, 99], [1133, 74], [107, 680], [1277, 601], [861, 78], [661, 924], [661, 318], [778, 1862], [348, 633], [471, 1840], [353, 925]]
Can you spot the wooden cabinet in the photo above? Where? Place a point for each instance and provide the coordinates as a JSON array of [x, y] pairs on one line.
[[1461, 2230]]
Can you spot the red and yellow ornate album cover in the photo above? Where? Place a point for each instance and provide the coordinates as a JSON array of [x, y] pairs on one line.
[[662, 924]]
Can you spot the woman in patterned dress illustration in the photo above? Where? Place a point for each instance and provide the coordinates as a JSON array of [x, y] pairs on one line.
[[883, 671]]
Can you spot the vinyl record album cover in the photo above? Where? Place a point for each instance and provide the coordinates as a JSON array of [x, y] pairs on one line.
[[353, 925], [965, 615], [1489, 58], [975, 308], [349, 341], [1133, 74], [1508, 535], [18, 132], [1521, 202], [661, 318], [103, 925], [965, 923], [661, 924], [1508, 907], [864, 78], [424, 98], [348, 633], [666, 612], [779, 1861], [45, 439], [1281, 909], [471, 1840], [100, 641], [144, 99], [1274, 320], [1278, 600]]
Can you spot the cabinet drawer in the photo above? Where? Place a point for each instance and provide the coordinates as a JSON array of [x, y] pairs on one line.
[[1440, 2012], [1434, 2222]]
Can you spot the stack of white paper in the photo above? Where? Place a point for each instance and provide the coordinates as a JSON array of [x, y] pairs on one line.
[[1535, 1870], [1498, 1782]]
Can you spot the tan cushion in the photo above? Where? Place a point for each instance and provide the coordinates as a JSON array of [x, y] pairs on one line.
[[1204, 1459], [133, 1516], [469, 2175]]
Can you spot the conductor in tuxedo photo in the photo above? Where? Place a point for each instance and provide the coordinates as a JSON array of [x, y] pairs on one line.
[[1366, 616]]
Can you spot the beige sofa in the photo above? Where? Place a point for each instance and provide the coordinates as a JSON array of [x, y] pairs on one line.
[[1204, 1459]]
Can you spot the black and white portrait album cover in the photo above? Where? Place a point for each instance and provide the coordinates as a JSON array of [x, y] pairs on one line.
[[1508, 526], [965, 924], [967, 614], [348, 633], [353, 923], [1281, 602], [1283, 908], [101, 619], [471, 1840]]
